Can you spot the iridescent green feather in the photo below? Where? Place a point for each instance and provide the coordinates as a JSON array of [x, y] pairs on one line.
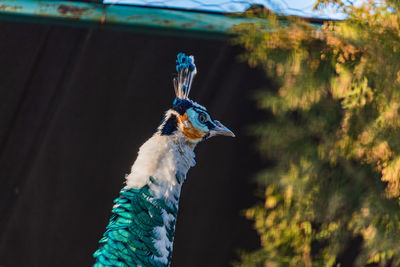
[[129, 238]]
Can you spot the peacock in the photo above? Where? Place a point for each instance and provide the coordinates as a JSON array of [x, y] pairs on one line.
[[142, 226]]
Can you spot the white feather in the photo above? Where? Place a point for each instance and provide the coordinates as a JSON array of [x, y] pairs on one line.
[[161, 241], [162, 157]]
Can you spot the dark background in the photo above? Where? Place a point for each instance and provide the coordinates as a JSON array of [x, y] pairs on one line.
[[75, 106]]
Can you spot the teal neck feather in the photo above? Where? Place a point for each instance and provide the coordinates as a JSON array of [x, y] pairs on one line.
[[131, 237]]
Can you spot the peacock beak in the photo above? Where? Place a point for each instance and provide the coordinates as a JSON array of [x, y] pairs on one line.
[[220, 129]]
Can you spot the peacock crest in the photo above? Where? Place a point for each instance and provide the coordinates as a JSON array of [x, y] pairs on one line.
[[186, 70]]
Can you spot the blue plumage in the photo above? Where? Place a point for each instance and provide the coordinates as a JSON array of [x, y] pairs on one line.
[[170, 126]]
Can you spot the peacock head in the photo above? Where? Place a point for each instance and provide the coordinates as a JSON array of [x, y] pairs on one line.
[[186, 116]]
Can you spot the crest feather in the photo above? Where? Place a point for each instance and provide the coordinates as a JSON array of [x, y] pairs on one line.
[[186, 70]]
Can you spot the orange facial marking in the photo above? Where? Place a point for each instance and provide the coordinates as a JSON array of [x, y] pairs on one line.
[[188, 130]]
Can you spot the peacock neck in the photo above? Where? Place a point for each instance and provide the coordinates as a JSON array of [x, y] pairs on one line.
[[162, 164]]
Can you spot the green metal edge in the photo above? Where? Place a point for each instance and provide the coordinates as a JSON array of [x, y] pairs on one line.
[[120, 17]]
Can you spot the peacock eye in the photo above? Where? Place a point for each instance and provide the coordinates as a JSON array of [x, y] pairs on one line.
[[202, 118]]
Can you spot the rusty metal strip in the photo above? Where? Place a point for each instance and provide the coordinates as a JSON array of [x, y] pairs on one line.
[[129, 18]]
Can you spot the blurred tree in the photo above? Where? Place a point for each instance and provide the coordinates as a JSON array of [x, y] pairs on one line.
[[334, 138]]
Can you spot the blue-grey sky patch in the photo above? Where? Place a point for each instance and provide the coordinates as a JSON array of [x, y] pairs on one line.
[[302, 8]]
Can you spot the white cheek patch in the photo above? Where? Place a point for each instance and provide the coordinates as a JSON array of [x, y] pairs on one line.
[[193, 115]]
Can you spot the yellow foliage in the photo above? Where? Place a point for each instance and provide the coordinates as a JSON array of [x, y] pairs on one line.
[[391, 174], [334, 138]]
